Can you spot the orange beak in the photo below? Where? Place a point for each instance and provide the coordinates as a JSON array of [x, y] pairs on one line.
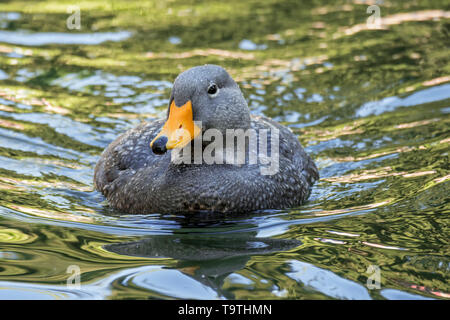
[[178, 130]]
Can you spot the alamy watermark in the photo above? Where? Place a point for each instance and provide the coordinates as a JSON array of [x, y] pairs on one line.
[[374, 20], [235, 146], [73, 281], [74, 20], [374, 280]]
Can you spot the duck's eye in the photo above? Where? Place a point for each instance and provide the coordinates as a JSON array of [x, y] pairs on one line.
[[212, 89]]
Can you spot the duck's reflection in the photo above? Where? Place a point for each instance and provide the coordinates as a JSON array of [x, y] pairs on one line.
[[208, 259]]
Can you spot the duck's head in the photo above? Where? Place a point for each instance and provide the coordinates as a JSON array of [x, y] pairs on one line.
[[204, 94]]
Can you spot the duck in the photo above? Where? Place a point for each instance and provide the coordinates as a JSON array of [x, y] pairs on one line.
[[190, 161]]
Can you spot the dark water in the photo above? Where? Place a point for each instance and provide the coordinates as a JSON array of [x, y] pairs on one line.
[[370, 106]]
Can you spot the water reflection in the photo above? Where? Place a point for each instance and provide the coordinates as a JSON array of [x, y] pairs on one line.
[[391, 103], [28, 38], [208, 259], [327, 282], [370, 106], [202, 248]]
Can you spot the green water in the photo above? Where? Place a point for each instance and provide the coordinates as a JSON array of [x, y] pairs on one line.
[[371, 106]]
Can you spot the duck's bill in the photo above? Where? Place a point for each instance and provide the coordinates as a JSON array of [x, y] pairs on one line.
[[178, 130]]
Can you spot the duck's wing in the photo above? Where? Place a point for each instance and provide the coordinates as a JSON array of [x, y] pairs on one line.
[[126, 155], [291, 149]]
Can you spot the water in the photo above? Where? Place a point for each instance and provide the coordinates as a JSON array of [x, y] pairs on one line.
[[370, 106]]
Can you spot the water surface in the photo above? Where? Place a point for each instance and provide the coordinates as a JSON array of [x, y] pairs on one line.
[[371, 106]]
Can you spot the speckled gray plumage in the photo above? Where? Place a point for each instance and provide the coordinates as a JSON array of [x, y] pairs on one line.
[[135, 180]]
